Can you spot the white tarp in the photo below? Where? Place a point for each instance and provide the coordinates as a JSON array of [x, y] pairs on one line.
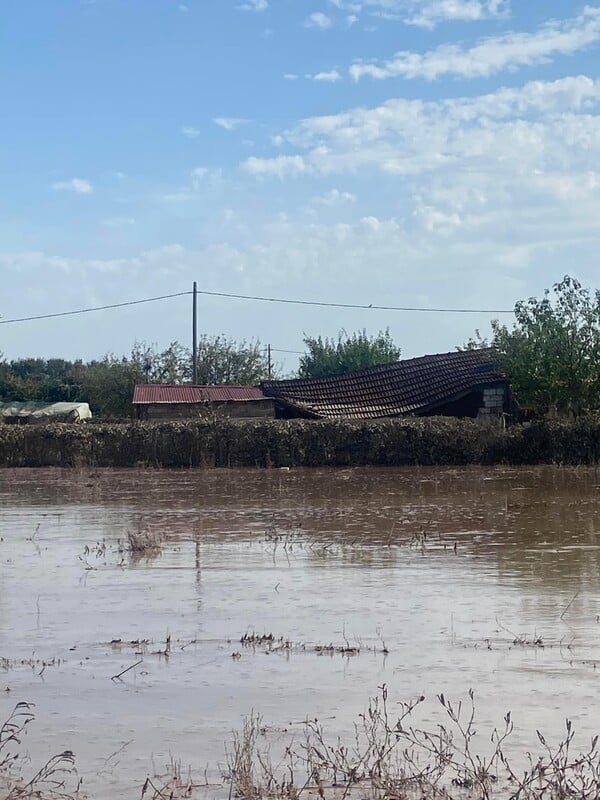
[[30, 412]]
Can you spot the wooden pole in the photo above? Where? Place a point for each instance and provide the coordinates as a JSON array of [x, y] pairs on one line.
[[195, 335], [269, 362]]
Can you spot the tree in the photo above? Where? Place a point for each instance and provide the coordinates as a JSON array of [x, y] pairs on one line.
[[222, 360], [348, 353], [475, 342], [173, 365], [38, 379], [552, 353], [108, 385]]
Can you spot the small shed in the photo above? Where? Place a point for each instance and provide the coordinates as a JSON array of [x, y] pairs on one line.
[[30, 412], [465, 383], [173, 401]]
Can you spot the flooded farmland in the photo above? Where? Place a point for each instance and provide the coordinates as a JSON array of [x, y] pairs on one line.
[[338, 581]]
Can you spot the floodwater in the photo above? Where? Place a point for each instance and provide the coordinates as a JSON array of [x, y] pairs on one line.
[[469, 578]]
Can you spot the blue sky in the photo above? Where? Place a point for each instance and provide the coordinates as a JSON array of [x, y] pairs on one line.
[[394, 152]]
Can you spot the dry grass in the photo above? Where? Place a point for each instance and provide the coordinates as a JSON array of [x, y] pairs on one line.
[[144, 541], [57, 778], [392, 758]]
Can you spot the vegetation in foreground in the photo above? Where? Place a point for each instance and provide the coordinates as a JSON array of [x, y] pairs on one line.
[[388, 755], [221, 442], [57, 778]]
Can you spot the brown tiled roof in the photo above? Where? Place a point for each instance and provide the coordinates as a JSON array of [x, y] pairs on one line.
[[149, 393], [414, 386]]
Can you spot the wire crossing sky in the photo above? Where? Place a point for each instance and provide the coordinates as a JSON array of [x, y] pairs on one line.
[[318, 303], [314, 161]]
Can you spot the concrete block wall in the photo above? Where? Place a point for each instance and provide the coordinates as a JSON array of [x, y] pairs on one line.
[[493, 400]]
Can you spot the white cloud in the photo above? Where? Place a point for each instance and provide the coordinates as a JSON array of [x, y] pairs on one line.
[[229, 123], [197, 175], [540, 125], [318, 20], [424, 13], [491, 55], [77, 185], [506, 174], [254, 5], [333, 198], [330, 76], [190, 133], [429, 14], [202, 176], [279, 166], [290, 76]]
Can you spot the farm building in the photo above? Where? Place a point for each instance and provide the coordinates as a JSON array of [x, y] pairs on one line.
[[459, 384], [165, 401]]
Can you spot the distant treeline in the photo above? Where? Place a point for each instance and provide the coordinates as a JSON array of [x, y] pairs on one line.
[[300, 443], [107, 384]]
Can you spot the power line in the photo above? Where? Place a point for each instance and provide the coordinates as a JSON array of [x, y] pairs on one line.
[[318, 303], [95, 308], [293, 352], [369, 307]]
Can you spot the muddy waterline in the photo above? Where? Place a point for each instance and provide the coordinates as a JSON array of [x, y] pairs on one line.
[[482, 578]]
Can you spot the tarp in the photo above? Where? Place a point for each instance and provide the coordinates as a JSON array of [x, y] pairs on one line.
[[30, 412]]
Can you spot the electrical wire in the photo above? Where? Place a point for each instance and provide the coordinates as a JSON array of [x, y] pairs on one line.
[[95, 308], [259, 298], [365, 307], [293, 352]]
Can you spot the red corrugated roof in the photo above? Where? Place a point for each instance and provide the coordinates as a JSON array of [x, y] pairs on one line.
[[147, 393]]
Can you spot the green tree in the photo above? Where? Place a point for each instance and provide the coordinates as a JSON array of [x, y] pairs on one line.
[[172, 365], [38, 379], [108, 385], [326, 356], [552, 353], [475, 342], [222, 360]]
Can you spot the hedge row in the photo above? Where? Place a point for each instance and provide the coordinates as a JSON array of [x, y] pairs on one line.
[[278, 443]]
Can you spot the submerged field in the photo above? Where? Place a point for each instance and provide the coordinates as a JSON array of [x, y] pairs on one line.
[[146, 613]]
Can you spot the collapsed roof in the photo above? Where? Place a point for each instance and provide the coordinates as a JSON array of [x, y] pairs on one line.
[[412, 386]]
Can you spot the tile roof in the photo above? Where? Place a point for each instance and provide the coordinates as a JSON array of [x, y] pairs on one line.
[[415, 385], [149, 393]]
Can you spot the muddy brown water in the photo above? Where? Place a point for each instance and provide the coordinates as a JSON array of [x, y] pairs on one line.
[[456, 572]]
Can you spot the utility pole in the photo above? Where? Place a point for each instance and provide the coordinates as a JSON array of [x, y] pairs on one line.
[[269, 362], [195, 334]]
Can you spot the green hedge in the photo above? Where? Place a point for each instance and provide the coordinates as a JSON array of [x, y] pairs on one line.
[[278, 443]]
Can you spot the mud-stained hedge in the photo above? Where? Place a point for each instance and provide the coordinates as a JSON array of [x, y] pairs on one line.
[[279, 443]]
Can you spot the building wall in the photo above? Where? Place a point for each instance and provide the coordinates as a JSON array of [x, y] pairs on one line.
[[249, 409], [487, 401], [493, 401]]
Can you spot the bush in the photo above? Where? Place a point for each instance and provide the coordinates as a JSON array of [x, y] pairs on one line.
[[300, 443]]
